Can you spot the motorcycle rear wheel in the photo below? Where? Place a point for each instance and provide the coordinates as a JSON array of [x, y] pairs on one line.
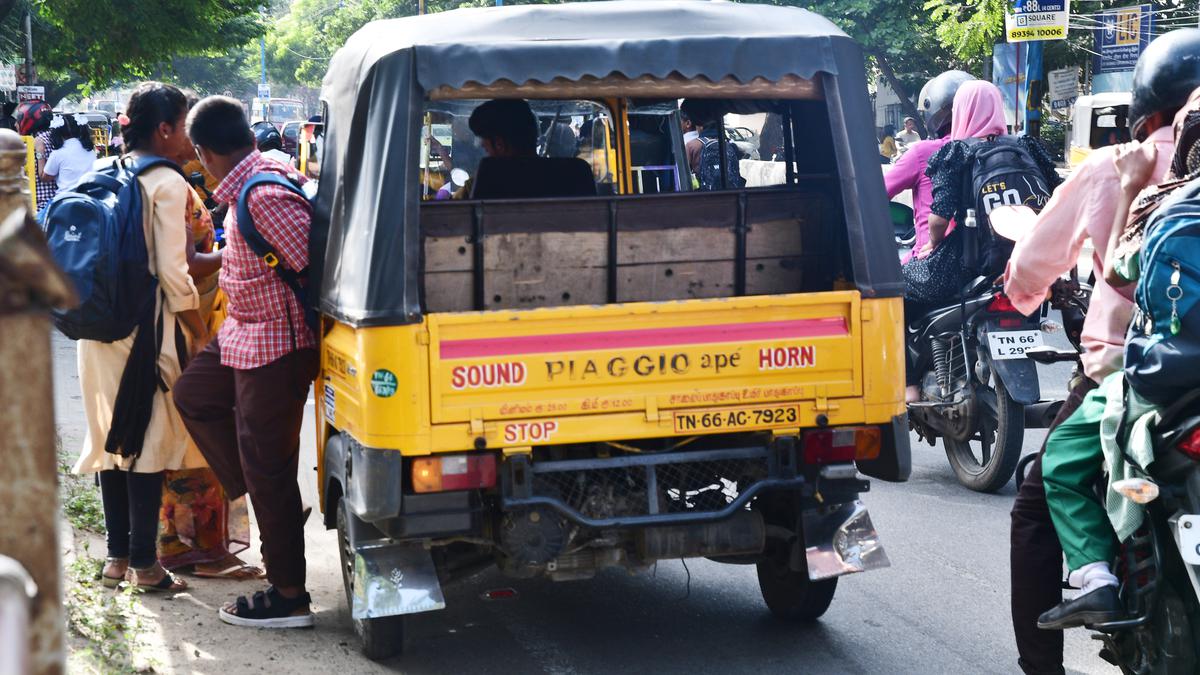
[[987, 461]]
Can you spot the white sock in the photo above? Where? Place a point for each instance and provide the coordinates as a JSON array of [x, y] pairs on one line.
[[1092, 576]]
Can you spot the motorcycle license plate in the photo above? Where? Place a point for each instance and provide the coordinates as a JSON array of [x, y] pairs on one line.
[[1189, 539], [758, 417], [1013, 343]]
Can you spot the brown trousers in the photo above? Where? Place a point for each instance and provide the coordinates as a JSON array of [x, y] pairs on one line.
[[247, 425], [1036, 560]]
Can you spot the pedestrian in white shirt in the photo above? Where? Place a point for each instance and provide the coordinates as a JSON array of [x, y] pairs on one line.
[[73, 154]]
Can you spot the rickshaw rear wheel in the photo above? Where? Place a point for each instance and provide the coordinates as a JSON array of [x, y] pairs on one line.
[[380, 638], [790, 594]]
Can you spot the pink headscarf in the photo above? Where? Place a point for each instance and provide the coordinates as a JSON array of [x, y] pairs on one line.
[[978, 111]]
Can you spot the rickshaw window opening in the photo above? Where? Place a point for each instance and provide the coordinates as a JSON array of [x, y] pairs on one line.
[[789, 144]]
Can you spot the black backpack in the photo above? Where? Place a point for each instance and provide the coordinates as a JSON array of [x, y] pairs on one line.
[[709, 173], [297, 280], [1002, 173], [96, 236]]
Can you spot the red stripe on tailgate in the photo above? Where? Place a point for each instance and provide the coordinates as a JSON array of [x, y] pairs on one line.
[[645, 337]]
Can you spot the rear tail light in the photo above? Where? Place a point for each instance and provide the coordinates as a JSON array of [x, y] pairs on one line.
[[1190, 445], [845, 444], [453, 472], [1002, 305]]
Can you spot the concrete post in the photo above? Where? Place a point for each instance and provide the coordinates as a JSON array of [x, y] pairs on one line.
[[30, 284]]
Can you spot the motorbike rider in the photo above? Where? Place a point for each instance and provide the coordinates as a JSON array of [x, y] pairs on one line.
[[1164, 78], [936, 276], [33, 119], [1081, 209], [936, 101], [270, 142]]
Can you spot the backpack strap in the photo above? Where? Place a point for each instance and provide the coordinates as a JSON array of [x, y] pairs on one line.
[[259, 244], [143, 164]]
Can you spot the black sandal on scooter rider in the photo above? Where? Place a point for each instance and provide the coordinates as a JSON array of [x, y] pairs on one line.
[[1081, 209]]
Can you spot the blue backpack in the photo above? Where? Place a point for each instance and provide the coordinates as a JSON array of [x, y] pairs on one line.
[[1163, 347], [296, 280], [96, 236]]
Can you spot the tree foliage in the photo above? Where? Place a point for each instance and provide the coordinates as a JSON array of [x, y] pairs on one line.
[[890, 32], [84, 43], [104, 42], [969, 28], [302, 41]]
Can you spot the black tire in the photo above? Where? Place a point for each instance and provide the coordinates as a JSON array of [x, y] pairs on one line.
[[1000, 450], [380, 638], [791, 595]]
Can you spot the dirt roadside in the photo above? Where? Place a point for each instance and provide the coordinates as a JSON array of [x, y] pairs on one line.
[[181, 633]]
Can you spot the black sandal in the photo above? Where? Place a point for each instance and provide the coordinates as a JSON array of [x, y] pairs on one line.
[[169, 583], [269, 609]]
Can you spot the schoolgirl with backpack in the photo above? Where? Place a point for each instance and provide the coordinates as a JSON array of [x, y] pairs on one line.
[[979, 169], [122, 237]]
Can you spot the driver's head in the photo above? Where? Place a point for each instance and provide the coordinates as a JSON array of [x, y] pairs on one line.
[[506, 128]]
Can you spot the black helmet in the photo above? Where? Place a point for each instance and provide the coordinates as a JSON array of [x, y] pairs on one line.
[[936, 101], [1165, 76], [267, 137]]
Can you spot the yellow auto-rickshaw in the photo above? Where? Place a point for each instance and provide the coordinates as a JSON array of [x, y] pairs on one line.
[[570, 367], [1096, 121]]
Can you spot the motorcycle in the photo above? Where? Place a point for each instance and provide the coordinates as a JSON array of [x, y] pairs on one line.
[[975, 380], [1159, 565]]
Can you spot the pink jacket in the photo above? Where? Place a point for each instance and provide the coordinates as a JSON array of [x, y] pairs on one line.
[[908, 173], [1083, 207]]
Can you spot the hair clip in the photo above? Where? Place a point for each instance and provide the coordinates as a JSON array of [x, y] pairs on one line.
[[57, 122], [81, 119], [123, 120]]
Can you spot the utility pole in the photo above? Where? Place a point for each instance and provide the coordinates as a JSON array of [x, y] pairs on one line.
[[30, 285], [28, 47]]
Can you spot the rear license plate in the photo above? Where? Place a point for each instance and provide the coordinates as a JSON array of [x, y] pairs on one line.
[[1189, 539], [758, 417], [1013, 343]]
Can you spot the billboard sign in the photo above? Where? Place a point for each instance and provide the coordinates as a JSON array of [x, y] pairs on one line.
[[1064, 87], [1030, 20], [1121, 38], [31, 93]]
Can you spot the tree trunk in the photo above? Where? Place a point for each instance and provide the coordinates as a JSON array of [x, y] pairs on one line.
[[906, 103]]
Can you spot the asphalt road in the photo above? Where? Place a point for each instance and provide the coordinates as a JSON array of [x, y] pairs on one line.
[[942, 607]]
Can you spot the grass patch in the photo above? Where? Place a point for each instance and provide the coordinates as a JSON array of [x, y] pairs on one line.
[[108, 620], [80, 497]]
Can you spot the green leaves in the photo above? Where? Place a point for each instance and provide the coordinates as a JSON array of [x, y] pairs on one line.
[[968, 28], [105, 42]]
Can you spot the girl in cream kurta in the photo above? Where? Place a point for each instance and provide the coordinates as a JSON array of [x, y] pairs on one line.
[[154, 124], [167, 444]]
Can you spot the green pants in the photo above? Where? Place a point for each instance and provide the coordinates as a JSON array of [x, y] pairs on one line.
[[1073, 462]]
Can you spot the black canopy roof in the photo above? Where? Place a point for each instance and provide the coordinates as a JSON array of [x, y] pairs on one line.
[[377, 82]]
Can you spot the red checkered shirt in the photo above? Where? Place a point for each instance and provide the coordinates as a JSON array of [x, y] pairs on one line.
[[265, 320]]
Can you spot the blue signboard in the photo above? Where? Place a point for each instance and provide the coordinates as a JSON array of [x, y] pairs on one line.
[[1124, 33]]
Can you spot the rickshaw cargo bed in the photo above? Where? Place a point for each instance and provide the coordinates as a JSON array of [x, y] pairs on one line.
[[616, 372]]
